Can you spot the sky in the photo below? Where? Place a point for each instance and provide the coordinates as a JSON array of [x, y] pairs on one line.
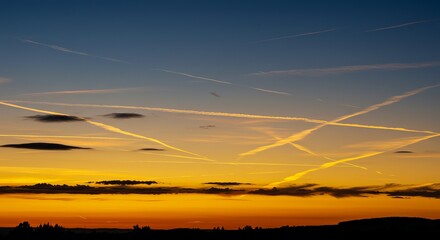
[[218, 113]]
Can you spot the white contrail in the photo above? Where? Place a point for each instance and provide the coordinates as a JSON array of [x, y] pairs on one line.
[[66, 50], [224, 114], [58, 136], [85, 91], [397, 26], [344, 160], [301, 135], [103, 126], [222, 82], [316, 72], [297, 35]]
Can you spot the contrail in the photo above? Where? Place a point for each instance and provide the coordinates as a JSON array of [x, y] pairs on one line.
[[55, 136], [222, 82], [301, 135], [366, 155], [196, 77], [397, 26], [306, 150], [316, 72], [104, 126], [296, 35], [224, 114], [85, 91], [66, 50]]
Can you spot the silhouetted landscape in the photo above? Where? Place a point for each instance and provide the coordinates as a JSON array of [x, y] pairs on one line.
[[382, 228]]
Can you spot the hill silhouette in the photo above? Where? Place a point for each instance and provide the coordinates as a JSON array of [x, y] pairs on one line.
[[377, 228]]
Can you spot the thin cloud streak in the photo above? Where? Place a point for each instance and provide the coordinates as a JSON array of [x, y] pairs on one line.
[[86, 91], [398, 26], [66, 50], [54, 136], [301, 135], [296, 35], [104, 126], [344, 160], [316, 72], [223, 82], [224, 114], [4, 80]]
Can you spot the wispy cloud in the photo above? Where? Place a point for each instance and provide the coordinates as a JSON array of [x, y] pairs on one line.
[[303, 134], [4, 80], [124, 115], [223, 82], [57, 136], [297, 35], [50, 118], [224, 114], [86, 91], [316, 72], [42, 146], [398, 26], [431, 190], [104, 126], [66, 50]]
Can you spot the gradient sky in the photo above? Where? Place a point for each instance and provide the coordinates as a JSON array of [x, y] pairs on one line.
[[220, 86]]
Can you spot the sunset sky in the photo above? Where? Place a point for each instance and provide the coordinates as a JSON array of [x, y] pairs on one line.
[[263, 113]]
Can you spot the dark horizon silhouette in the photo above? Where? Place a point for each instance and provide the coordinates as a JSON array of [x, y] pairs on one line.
[[387, 227]]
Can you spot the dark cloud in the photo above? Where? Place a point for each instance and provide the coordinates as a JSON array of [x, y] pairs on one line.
[[42, 146], [403, 151], [50, 118], [124, 115], [303, 190], [207, 126], [214, 94], [226, 183], [151, 149], [125, 182]]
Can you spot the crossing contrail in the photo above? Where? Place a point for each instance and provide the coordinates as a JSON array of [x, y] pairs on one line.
[[103, 126], [301, 135]]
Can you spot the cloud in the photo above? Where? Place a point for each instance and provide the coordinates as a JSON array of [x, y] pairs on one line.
[[296, 35], [152, 149], [404, 151], [66, 50], [124, 182], [87, 91], [303, 134], [222, 82], [303, 190], [42, 146], [225, 114], [124, 115], [50, 118], [226, 184], [398, 26], [316, 72], [207, 126], [4, 80], [103, 126], [214, 94]]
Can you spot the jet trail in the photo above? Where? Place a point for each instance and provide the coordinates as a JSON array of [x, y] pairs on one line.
[[87, 91], [296, 35], [62, 49], [104, 126], [223, 82], [224, 114], [306, 150], [397, 26], [344, 160], [301, 135], [52, 136]]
